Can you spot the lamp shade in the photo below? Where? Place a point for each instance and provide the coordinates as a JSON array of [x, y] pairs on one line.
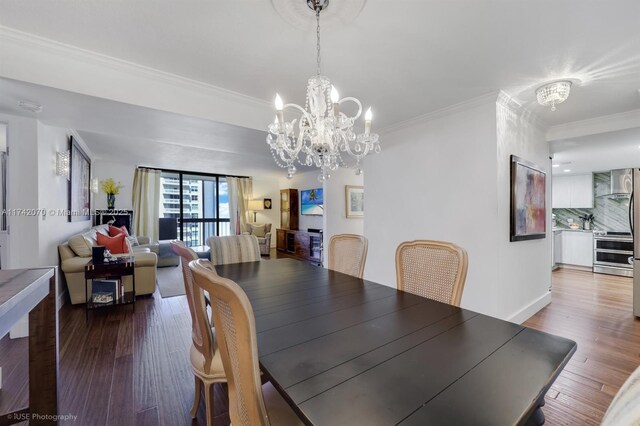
[[256, 205]]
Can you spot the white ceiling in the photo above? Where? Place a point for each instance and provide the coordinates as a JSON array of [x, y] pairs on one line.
[[404, 57], [597, 153], [115, 130]]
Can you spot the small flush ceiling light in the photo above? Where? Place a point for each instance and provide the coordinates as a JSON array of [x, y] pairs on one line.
[[553, 93], [30, 106], [566, 170], [556, 165], [62, 164]]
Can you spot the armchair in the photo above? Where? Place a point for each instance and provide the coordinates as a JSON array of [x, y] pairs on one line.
[[262, 231]]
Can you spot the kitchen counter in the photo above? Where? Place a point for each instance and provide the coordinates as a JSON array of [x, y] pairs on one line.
[[572, 230]]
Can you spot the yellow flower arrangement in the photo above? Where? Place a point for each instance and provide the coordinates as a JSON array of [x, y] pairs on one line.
[[110, 187]]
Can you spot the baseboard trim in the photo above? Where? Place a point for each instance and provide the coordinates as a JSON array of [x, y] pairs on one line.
[[575, 267], [528, 311]]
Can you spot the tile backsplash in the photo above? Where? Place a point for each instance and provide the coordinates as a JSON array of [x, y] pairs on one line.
[[608, 214]]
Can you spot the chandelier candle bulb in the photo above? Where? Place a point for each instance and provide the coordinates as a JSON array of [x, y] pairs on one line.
[[335, 97], [367, 121], [279, 111]]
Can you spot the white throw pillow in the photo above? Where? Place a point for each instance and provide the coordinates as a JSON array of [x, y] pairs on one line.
[[258, 231]]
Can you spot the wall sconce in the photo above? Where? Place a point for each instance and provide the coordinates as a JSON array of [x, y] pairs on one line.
[[63, 164], [255, 206], [94, 185]]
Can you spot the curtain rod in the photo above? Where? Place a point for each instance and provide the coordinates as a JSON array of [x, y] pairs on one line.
[[188, 172]]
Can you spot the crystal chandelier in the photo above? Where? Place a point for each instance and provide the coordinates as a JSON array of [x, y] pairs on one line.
[[322, 134], [553, 93]]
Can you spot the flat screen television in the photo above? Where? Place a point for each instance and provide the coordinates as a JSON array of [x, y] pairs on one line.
[[311, 202]]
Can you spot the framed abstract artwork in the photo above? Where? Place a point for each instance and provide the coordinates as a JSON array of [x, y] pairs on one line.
[[528, 201], [79, 184], [354, 196]]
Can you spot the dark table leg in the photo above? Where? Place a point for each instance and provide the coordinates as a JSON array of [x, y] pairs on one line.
[[537, 417], [43, 360]]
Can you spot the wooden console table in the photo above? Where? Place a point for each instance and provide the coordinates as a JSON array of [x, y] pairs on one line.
[[300, 244], [33, 292]]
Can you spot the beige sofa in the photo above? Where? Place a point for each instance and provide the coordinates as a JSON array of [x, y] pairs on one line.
[[76, 253]]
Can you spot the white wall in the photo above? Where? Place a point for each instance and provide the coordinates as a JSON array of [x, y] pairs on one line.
[[22, 190], [52, 193], [335, 220], [120, 171], [447, 178], [524, 275], [437, 180], [268, 187]]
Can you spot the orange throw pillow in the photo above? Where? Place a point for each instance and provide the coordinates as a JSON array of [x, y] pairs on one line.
[[113, 231], [116, 245]]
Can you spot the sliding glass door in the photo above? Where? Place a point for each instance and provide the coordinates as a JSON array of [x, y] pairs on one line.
[[198, 203]]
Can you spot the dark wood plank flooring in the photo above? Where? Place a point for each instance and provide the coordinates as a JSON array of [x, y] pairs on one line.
[[132, 368], [595, 311]]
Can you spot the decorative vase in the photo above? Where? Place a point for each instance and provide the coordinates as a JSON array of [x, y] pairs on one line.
[[111, 201]]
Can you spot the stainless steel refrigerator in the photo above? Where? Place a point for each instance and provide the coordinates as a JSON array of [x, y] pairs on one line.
[[634, 221]]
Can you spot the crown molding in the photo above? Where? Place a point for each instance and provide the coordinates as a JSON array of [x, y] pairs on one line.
[[499, 97], [512, 104], [592, 126], [443, 112], [27, 57]]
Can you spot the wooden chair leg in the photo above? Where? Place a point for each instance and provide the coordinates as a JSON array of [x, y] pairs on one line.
[[208, 399], [196, 398]]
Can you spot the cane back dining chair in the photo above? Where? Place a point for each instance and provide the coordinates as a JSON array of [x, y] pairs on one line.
[[250, 403], [348, 254], [433, 269], [624, 409], [204, 355]]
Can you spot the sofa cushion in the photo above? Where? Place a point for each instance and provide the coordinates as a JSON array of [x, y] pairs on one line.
[[74, 264], [113, 231], [115, 245], [80, 245], [258, 230], [145, 259]]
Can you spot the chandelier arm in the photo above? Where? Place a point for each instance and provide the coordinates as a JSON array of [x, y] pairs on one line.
[[356, 101], [302, 110]]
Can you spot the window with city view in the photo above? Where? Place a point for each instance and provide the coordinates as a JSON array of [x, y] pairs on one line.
[[199, 203]]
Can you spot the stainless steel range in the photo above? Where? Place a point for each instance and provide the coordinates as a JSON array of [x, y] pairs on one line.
[[612, 253]]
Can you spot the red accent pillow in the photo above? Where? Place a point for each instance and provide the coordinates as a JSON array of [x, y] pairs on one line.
[[116, 245], [113, 231]]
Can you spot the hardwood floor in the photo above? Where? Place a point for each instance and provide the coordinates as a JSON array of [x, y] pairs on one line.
[[129, 368], [595, 311]]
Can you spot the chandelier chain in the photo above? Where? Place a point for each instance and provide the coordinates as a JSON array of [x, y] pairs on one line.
[[318, 41]]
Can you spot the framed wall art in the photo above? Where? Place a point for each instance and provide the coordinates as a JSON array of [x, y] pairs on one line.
[[354, 201], [79, 184], [528, 200]]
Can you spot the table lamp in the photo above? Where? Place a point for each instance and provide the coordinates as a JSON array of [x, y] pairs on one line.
[[255, 206]]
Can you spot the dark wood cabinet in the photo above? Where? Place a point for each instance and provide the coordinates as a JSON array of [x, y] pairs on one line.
[[300, 244], [289, 210]]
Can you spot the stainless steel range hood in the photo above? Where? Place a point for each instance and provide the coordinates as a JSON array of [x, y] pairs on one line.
[[621, 183]]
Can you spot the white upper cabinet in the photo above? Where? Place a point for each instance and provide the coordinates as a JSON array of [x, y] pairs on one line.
[[572, 191]]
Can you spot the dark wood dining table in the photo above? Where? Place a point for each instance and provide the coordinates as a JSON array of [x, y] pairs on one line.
[[347, 351]]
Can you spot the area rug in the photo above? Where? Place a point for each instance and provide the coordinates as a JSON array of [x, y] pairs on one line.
[[170, 281]]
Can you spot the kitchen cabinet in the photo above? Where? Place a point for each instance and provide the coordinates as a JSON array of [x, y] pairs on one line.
[[557, 247], [574, 248], [574, 191]]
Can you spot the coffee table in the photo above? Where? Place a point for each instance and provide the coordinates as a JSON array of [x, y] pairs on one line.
[[114, 270]]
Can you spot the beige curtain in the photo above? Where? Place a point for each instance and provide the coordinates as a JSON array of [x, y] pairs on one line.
[[146, 202], [240, 192]]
